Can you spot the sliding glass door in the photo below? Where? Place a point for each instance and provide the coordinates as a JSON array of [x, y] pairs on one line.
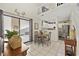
[[25, 30], [22, 26]]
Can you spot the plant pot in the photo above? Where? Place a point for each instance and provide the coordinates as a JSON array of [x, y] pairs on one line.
[[15, 42]]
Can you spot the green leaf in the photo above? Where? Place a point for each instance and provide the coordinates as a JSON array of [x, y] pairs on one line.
[[10, 33]]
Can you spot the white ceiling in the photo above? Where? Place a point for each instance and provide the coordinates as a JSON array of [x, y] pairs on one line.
[[62, 12], [31, 9]]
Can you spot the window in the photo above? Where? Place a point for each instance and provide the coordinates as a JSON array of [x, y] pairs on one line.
[[44, 9]]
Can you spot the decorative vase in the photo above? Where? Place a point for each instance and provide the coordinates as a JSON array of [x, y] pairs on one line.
[[15, 42], [72, 33]]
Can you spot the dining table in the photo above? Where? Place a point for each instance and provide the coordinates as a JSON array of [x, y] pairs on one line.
[[41, 38]]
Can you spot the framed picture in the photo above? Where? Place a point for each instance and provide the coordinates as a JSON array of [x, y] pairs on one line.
[[36, 26]]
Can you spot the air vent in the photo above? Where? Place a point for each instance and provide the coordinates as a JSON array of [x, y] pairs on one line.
[[77, 4], [58, 4]]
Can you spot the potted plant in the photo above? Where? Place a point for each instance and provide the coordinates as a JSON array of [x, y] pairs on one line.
[[10, 33], [14, 40]]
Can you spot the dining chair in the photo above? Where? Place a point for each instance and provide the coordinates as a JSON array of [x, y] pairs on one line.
[[47, 39]]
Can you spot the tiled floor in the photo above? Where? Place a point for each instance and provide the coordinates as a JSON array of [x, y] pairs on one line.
[[56, 48]]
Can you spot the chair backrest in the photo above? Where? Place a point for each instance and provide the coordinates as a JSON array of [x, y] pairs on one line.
[[49, 36], [35, 34]]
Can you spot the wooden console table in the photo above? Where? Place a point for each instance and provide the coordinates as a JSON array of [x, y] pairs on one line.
[[8, 51]]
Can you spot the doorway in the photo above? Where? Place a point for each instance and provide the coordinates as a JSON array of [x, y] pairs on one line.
[[63, 30]]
